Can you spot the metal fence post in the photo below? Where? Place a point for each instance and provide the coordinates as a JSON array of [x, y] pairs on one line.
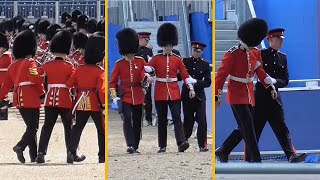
[[57, 13], [98, 10], [15, 8]]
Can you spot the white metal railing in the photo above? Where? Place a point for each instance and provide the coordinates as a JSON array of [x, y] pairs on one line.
[[310, 84]]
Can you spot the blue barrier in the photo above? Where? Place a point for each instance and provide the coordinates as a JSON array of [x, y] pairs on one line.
[[302, 117], [201, 30], [219, 9], [113, 52], [301, 21], [171, 18]]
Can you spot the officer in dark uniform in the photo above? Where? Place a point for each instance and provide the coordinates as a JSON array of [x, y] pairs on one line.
[[146, 53], [268, 110], [195, 109]]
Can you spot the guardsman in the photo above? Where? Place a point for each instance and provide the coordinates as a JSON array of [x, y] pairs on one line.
[[266, 109], [146, 53], [57, 100], [130, 71], [42, 30], [88, 81], [240, 63], [5, 61], [8, 28], [28, 25], [26, 82], [167, 92], [64, 17], [194, 109], [82, 24], [79, 44], [74, 17], [100, 26]]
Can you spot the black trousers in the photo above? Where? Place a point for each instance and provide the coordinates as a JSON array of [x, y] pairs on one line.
[[51, 115], [132, 119], [195, 111], [148, 105], [81, 121], [30, 117], [263, 113], [273, 113], [162, 111], [244, 118]]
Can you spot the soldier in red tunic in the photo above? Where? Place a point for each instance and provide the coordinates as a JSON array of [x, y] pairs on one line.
[[41, 30], [24, 78], [57, 100], [79, 44], [88, 81], [167, 92], [240, 63], [130, 71], [5, 61], [64, 17]]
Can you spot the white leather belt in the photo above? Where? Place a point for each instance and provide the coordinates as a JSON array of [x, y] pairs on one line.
[[166, 79], [26, 83], [57, 86], [3, 69], [242, 80]]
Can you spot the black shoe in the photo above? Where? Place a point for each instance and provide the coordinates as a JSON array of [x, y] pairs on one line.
[[149, 123], [162, 150], [130, 150], [297, 158], [183, 146], [222, 157], [33, 160], [19, 153], [70, 158], [77, 158], [101, 159], [204, 149], [40, 158], [136, 151]]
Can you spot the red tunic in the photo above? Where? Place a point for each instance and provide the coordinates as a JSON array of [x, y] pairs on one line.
[[58, 94], [77, 58], [131, 75], [235, 64], [167, 67], [5, 61], [23, 76], [88, 81]]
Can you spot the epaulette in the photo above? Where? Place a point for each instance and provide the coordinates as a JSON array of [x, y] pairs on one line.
[[204, 60], [119, 60], [282, 53], [176, 55], [139, 57], [233, 49]]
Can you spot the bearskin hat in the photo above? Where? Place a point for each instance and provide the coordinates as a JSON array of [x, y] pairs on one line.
[[8, 25], [4, 41], [79, 40], [61, 42], [128, 41], [1, 27], [36, 26], [82, 22], [167, 34], [28, 25], [100, 26], [75, 14], [43, 26], [70, 29], [24, 44], [19, 23], [51, 31], [64, 17], [92, 26], [253, 31], [94, 51]]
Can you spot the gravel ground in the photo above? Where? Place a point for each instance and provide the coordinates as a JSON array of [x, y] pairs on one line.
[[149, 165], [55, 167]]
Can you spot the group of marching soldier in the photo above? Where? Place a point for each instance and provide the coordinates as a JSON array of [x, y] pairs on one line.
[[130, 87], [61, 68]]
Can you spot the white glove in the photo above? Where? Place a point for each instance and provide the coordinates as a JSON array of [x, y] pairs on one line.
[[149, 58], [115, 100], [190, 80], [148, 69], [274, 81]]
